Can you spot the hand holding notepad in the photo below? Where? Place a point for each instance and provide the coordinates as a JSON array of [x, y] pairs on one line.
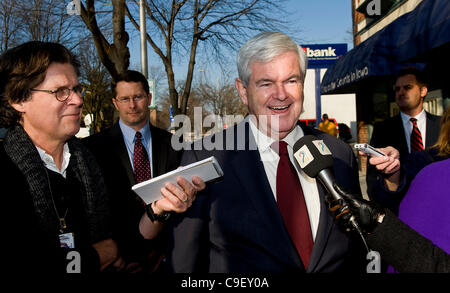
[[207, 169]]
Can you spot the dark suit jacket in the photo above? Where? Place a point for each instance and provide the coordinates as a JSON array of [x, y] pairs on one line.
[[111, 153], [235, 225], [390, 132]]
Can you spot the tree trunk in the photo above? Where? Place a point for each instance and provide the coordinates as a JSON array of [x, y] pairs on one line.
[[115, 57]]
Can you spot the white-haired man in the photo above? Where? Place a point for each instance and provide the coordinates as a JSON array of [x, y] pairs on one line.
[[265, 216]]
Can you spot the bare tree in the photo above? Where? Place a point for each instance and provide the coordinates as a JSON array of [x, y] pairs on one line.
[[222, 100], [38, 20], [9, 24], [181, 28], [48, 21], [114, 54], [96, 79], [182, 25], [196, 100]]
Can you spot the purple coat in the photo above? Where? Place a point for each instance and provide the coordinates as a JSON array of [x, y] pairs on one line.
[[426, 206]]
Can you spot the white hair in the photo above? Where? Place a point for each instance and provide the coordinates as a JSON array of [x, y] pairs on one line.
[[264, 47]]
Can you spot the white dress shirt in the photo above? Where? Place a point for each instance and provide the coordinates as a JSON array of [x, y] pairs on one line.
[[270, 161], [129, 137], [49, 163], [408, 126]]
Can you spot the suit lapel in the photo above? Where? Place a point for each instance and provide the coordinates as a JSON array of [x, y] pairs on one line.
[[159, 152], [432, 129], [120, 149], [323, 231], [256, 186], [399, 135]]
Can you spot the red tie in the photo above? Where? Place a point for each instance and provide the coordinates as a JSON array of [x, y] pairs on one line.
[[416, 137], [291, 203], [141, 163]]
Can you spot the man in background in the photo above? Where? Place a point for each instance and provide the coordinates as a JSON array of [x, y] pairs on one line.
[[412, 130], [328, 126], [132, 151]]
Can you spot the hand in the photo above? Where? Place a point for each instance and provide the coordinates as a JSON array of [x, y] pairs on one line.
[[108, 253], [178, 198], [389, 166], [366, 213]]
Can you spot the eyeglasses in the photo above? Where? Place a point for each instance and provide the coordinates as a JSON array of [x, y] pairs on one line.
[[62, 94], [126, 100]]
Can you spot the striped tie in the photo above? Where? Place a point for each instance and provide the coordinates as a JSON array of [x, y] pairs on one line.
[[416, 137]]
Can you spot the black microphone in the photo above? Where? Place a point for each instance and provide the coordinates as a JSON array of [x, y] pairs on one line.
[[314, 158]]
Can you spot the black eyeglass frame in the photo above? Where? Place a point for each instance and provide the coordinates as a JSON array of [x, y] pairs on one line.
[[135, 98]]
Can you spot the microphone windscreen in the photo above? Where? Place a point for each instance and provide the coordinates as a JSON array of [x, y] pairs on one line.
[[312, 155]]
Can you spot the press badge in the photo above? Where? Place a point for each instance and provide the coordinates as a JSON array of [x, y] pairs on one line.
[[67, 240]]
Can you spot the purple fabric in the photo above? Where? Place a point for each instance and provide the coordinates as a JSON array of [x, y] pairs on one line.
[[426, 205]]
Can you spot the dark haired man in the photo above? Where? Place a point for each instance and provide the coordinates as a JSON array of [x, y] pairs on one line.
[[130, 142], [412, 130], [56, 218]]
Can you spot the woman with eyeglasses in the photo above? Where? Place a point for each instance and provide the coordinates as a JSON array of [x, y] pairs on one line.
[[55, 213]]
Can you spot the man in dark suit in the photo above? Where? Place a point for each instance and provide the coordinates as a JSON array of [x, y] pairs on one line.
[[244, 223], [398, 131], [115, 151]]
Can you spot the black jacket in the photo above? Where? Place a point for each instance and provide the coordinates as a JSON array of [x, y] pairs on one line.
[[390, 132], [407, 250], [110, 151]]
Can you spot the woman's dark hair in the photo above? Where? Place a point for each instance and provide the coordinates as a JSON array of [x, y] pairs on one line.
[[23, 68]]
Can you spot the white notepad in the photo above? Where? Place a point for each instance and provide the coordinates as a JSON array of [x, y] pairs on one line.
[[207, 169]]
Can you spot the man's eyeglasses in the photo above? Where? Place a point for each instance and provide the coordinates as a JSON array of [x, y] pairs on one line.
[[126, 100], [62, 94]]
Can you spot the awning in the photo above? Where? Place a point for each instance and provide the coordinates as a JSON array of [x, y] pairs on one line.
[[413, 34], [430, 29]]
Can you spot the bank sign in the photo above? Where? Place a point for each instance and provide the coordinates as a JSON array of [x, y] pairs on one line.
[[323, 55]]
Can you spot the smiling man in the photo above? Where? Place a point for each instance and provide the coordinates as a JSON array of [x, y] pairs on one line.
[[264, 215]]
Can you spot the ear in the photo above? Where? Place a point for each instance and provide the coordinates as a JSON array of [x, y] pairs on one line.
[[423, 91], [115, 103], [19, 107], [150, 97], [242, 91]]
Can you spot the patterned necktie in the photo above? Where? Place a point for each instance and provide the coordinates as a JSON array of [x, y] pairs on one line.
[[291, 202], [141, 163], [416, 137]]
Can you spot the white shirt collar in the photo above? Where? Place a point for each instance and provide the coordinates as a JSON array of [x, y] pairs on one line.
[[406, 117], [264, 142], [129, 133], [49, 163]]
